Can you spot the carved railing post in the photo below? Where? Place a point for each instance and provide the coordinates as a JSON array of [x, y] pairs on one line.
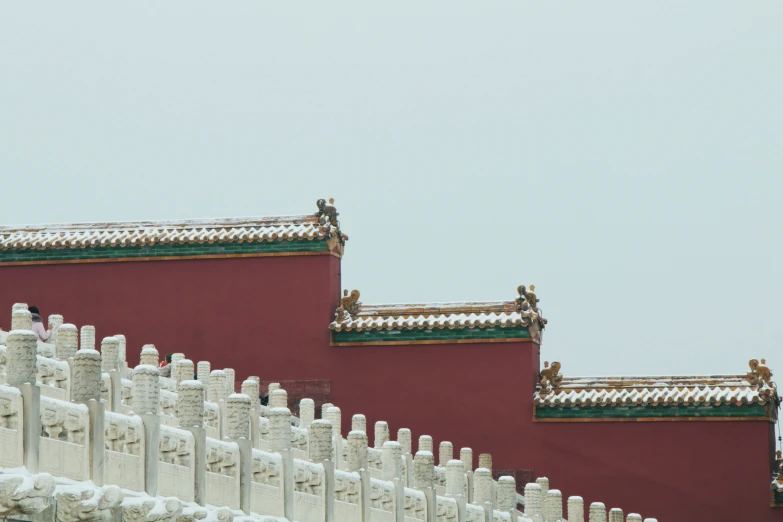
[[576, 509], [423, 476], [217, 394], [278, 398], [54, 322], [455, 478], [149, 356], [230, 381], [190, 412], [543, 482], [554, 506], [67, 341], [280, 442], [320, 437], [86, 389], [359, 423], [445, 453], [632, 517], [391, 460], [334, 415], [357, 451], [485, 461], [533, 502], [382, 435], [123, 355], [482, 486], [146, 397], [507, 494], [405, 438], [110, 363], [615, 515], [597, 512], [251, 389], [202, 370], [466, 456], [21, 361], [87, 338], [306, 413], [425, 443], [21, 320], [184, 370], [238, 409]]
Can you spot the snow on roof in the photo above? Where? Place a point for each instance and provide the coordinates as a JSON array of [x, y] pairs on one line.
[[320, 225], [654, 391]]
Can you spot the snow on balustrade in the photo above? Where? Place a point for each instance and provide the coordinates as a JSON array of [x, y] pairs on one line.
[[347, 496], [124, 456], [267, 492], [222, 464], [177, 463], [111, 441], [309, 491], [382, 501], [65, 439]]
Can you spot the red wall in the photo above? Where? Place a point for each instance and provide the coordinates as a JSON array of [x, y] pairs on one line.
[[268, 316]]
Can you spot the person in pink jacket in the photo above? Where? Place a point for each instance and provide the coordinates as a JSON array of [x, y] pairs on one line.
[[38, 329]]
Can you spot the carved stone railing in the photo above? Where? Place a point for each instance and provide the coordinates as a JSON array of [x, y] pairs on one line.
[[79, 428]]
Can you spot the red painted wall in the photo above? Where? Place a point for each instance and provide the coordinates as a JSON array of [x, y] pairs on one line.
[[268, 316]]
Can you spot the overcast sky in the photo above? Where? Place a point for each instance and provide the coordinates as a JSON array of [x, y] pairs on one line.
[[624, 157]]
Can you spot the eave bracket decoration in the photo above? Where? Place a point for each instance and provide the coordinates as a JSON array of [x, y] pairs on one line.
[[550, 377], [349, 305]]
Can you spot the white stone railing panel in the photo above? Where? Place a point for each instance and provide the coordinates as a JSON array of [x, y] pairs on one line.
[[124, 443], [64, 444], [382, 504], [415, 505], [263, 434], [474, 513], [266, 487], [46, 350], [446, 510], [106, 390], [54, 378], [374, 463], [439, 480], [309, 491], [126, 396], [212, 419], [11, 439], [347, 496], [176, 463], [222, 473], [299, 443], [498, 516], [167, 408], [2, 362]]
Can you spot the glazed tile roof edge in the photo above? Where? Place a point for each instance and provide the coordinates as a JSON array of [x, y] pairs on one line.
[[655, 391], [460, 314]]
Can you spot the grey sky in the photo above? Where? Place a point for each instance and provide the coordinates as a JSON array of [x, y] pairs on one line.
[[625, 157]]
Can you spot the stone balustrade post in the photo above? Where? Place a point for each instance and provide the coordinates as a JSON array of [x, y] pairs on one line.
[[381, 434], [320, 437], [54, 322], [554, 506], [425, 443], [21, 320], [183, 371], [423, 477], [485, 461], [175, 358], [230, 381], [445, 453], [334, 415], [190, 412], [202, 370], [324, 407], [306, 413], [217, 394], [110, 363], [533, 502], [391, 460], [466, 456], [507, 494], [149, 356], [86, 389], [455, 478], [576, 509], [278, 399], [87, 339], [19, 306], [632, 517], [359, 423], [405, 438], [251, 388], [482, 486], [122, 354], [650, 520], [146, 398], [21, 363], [279, 429], [616, 515], [67, 341], [238, 412], [597, 512], [357, 450]]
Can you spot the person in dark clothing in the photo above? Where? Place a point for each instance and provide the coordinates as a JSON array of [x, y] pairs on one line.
[[38, 329]]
